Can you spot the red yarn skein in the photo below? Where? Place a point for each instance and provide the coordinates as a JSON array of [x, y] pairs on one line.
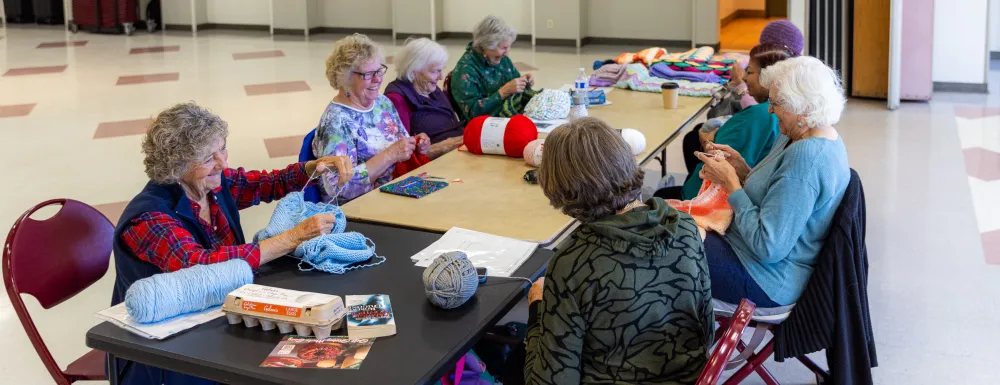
[[516, 132]]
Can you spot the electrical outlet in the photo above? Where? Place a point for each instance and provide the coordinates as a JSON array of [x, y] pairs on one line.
[[550, 24]]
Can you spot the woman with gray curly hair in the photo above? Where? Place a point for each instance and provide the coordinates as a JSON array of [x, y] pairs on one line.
[[188, 213], [361, 124], [485, 81], [646, 255]]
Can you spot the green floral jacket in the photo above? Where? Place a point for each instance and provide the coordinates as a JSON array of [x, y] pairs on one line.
[[475, 85]]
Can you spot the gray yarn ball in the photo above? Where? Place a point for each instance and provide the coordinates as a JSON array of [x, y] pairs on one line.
[[450, 280]]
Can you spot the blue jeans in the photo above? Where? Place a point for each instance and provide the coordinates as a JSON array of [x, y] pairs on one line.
[[730, 280]]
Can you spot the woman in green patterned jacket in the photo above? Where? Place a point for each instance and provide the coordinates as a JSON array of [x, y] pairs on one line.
[[627, 298], [485, 81]]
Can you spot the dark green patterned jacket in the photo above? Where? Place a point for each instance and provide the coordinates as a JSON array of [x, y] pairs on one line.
[[627, 300], [475, 85]]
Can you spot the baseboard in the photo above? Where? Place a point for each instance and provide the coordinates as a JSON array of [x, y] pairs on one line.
[[995, 55], [210, 26], [969, 88], [407, 35], [365, 31], [468, 36], [556, 42], [289, 31], [639, 42]]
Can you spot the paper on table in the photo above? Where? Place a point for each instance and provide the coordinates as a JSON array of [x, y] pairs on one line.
[[501, 256], [546, 126], [607, 90], [118, 315]]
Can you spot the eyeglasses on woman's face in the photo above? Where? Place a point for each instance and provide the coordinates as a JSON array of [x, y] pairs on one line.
[[371, 74]]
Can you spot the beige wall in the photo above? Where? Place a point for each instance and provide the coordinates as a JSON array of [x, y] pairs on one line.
[[255, 12], [291, 14], [565, 16], [412, 16], [462, 15], [356, 14], [659, 19]]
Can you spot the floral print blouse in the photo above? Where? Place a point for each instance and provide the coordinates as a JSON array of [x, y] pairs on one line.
[[360, 135]]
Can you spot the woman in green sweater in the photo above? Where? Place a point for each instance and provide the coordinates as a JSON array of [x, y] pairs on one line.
[[627, 297]]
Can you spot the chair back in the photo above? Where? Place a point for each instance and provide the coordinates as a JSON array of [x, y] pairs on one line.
[[727, 344], [311, 193], [451, 98], [53, 260]]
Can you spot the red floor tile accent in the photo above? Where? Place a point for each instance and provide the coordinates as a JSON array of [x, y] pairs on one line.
[[34, 70], [112, 210], [284, 146], [155, 49], [122, 128], [982, 164], [275, 88], [150, 78], [991, 247], [522, 66], [257, 55], [16, 110], [63, 44], [976, 112]]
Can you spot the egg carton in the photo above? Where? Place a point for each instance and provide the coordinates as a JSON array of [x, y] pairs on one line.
[[303, 312]]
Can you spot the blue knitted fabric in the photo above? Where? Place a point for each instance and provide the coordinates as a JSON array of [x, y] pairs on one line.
[[336, 252]]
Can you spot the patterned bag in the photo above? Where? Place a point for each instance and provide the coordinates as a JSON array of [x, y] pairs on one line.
[[549, 105]]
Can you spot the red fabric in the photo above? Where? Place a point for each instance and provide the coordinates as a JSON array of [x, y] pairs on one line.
[[402, 108], [518, 132], [416, 160]]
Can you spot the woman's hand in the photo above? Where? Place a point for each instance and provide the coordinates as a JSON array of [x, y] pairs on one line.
[[718, 171], [312, 227], [340, 164], [529, 80], [401, 150], [512, 87], [423, 143], [736, 75], [535, 293], [732, 156]]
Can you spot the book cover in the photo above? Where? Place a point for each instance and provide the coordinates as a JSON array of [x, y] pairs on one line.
[[328, 353], [369, 316]]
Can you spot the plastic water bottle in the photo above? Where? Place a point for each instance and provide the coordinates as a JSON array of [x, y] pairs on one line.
[[579, 94]]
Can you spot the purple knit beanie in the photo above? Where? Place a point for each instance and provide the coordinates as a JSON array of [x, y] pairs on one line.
[[785, 33]]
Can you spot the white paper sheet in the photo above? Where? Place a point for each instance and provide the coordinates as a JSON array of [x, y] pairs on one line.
[[118, 315], [500, 256]]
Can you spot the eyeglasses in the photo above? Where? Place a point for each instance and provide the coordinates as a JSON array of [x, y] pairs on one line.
[[370, 75]]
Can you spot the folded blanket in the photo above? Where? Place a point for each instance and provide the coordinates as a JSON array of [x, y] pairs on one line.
[[637, 78], [701, 54], [710, 208], [607, 75], [646, 56], [663, 70]]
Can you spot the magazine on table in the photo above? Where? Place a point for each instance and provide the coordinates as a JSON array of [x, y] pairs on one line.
[[338, 352]]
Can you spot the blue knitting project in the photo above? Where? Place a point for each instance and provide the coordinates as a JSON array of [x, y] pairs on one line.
[[336, 252]]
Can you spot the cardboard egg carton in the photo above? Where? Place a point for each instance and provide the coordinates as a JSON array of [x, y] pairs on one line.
[[287, 310]]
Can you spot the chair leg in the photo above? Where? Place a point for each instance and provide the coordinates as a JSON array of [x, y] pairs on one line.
[[822, 376], [766, 375], [112, 370], [754, 362]]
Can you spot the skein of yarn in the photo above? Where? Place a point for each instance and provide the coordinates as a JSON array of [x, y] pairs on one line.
[[533, 152], [450, 280], [499, 136], [195, 288], [635, 139]]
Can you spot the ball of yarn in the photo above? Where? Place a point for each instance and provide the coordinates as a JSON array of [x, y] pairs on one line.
[[499, 136], [533, 152], [635, 139], [196, 288], [450, 280]]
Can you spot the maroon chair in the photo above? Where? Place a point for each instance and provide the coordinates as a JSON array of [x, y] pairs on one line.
[[728, 339], [54, 260]]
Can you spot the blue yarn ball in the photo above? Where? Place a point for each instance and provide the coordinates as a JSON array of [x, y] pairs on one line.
[[196, 288], [450, 280]]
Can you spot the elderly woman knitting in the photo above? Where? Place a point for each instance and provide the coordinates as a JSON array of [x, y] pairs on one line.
[[782, 207], [188, 213], [627, 298], [485, 81], [422, 106], [361, 124]]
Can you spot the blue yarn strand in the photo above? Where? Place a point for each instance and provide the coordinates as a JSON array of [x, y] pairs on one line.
[[167, 295]]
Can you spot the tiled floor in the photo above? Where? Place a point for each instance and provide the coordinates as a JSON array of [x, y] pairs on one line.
[[932, 196]]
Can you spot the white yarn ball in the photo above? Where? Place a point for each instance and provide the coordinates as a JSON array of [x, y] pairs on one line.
[[635, 139], [533, 152]]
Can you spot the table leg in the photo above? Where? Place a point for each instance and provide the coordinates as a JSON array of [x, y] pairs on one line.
[[112, 370], [663, 163]]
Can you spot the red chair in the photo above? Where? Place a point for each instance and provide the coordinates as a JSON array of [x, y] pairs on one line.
[[727, 341], [54, 260]]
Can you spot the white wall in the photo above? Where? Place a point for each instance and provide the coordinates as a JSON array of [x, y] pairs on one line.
[[797, 15], [960, 41], [994, 25], [640, 19], [356, 14], [253, 12], [462, 15]]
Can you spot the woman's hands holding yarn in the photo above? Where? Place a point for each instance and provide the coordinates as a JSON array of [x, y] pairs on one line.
[[718, 171], [339, 164], [423, 143], [736, 75], [402, 149], [732, 156], [512, 87], [535, 293], [312, 227]]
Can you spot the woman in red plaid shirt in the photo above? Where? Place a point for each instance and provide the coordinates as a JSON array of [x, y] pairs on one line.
[[188, 213]]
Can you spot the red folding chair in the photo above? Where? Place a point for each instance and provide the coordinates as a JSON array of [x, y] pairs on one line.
[[54, 260], [727, 340]]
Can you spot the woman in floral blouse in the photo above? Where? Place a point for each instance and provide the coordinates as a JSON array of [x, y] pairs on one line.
[[360, 122], [485, 81]]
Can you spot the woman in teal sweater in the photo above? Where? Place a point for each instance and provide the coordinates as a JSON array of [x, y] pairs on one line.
[[752, 131], [627, 298], [782, 207]]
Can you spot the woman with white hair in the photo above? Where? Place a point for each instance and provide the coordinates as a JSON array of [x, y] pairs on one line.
[[422, 106], [782, 207], [485, 81]]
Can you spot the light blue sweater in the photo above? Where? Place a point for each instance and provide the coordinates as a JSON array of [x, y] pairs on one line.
[[783, 212]]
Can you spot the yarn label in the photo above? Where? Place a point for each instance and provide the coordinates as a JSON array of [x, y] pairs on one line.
[[491, 139], [267, 308]]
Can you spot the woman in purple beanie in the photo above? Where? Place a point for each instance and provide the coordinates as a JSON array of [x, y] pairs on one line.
[[781, 32]]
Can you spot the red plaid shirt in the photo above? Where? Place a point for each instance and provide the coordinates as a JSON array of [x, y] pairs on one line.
[[160, 239]]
